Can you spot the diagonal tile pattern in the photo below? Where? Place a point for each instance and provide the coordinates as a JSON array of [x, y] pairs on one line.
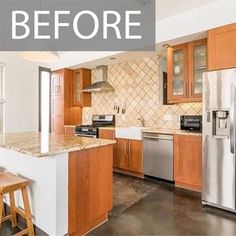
[[137, 83]]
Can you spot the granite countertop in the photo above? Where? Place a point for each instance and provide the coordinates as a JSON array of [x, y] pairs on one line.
[[108, 127], [40, 145], [159, 130], [171, 131]]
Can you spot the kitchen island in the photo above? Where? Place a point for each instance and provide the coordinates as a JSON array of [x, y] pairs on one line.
[[71, 179]]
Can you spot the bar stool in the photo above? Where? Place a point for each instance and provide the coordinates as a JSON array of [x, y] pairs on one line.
[[9, 183]]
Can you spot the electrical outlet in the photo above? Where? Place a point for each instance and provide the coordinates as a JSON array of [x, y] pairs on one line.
[[167, 117]]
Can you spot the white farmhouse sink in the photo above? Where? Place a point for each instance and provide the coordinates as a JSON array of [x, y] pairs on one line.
[[129, 132]]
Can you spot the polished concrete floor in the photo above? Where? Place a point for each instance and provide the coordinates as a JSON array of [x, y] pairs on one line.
[[169, 211]]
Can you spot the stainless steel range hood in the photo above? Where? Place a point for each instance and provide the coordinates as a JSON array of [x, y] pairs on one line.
[[101, 84]]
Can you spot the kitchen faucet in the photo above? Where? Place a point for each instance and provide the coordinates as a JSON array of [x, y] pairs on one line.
[[141, 119]]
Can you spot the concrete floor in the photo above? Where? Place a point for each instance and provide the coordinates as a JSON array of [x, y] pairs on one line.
[[169, 211]]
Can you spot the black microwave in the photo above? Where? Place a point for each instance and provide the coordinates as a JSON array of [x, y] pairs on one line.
[[191, 123]]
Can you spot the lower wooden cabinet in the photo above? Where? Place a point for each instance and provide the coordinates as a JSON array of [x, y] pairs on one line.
[[188, 161], [129, 155], [70, 130], [109, 134]]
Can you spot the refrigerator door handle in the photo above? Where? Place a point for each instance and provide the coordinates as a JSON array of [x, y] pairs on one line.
[[232, 118]]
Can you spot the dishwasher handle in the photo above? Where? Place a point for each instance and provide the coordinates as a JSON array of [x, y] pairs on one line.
[[157, 137]]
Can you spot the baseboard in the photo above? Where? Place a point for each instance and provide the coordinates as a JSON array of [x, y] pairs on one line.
[[22, 224], [126, 172]]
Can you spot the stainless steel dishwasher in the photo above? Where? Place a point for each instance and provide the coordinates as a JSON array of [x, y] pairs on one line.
[[158, 155]]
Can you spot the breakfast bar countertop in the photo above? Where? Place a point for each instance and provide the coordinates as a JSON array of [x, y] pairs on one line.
[[46, 144]]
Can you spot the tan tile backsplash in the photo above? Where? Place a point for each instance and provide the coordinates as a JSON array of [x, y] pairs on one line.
[[137, 83]]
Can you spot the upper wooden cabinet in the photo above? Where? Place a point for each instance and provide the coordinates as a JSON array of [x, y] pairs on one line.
[[186, 64], [188, 161], [62, 110], [81, 79], [57, 83], [222, 47]]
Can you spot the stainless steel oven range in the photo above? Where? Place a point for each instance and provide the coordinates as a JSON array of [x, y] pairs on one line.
[[97, 121]]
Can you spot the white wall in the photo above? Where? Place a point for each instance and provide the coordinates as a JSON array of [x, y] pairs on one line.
[[186, 22], [21, 93]]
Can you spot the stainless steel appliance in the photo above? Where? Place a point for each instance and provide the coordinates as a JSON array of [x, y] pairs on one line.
[[158, 155], [219, 126], [97, 121], [191, 123]]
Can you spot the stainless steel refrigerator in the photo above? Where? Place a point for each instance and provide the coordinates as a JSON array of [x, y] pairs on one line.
[[219, 126]]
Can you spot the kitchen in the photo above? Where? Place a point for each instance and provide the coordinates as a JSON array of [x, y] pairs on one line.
[[158, 127]]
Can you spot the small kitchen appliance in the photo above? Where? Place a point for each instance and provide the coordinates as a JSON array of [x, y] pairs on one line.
[[191, 123]]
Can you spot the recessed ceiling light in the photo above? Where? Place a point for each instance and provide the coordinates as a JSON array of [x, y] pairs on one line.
[[166, 45], [40, 56]]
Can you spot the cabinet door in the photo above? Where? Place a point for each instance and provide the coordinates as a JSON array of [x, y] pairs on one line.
[[57, 83], [177, 60], [57, 115], [188, 161], [197, 66], [222, 47], [135, 156], [82, 79], [122, 152], [110, 134], [70, 130]]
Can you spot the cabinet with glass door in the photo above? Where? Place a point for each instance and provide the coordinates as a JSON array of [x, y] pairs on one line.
[[197, 66], [177, 73], [186, 65], [82, 79]]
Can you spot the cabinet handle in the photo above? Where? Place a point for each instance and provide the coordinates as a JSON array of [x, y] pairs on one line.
[[129, 148], [191, 88], [125, 147]]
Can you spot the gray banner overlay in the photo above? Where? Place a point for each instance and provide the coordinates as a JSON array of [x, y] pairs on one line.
[[76, 25]]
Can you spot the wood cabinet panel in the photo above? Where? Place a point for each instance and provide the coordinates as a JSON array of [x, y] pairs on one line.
[[109, 134], [57, 83], [135, 157], [70, 130], [129, 155], [185, 65], [122, 152], [81, 79], [222, 47], [177, 73], [57, 115], [188, 161], [90, 188], [62, 110], [197, 66]]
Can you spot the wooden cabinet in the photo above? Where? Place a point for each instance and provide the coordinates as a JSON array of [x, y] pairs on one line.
[[222, 47], [70, 130], [81, 79], [57, 114], [63, 111], [177, 73], [57, 83], [109, 134], [188, 161], [129, 155], [89, 188], [186, 64]]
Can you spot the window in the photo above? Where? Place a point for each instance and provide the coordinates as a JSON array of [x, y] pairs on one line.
[[44, 100]]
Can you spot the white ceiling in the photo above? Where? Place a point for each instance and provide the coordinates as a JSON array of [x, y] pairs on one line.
[[167, 8]]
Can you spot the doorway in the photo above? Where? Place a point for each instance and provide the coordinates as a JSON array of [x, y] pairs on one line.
[[44, 100]]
